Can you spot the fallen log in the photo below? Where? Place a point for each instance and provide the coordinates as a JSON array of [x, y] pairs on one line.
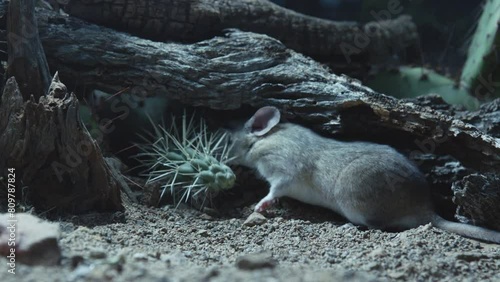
[[347, 47], [26, 59]]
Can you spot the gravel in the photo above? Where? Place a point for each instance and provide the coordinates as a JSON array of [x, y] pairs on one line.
[[295, 242]]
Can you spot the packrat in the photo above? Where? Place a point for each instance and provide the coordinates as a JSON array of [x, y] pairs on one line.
[[369, 184]]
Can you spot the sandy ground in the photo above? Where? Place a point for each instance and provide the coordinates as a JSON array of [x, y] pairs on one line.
[[297, 243]]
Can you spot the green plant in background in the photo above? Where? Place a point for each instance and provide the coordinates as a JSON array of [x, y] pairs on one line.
[[89, 120], [190, 162], [411, 82], [481, 70], [120, 113], [480, 75]]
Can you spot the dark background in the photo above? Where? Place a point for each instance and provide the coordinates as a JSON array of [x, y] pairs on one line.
[[445, 26]]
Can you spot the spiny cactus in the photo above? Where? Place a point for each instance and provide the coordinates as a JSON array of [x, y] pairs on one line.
[[190, 162], [411, 82], [479, 76], [481, 71]]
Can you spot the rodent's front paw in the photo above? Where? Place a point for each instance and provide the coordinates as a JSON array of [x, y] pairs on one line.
[[263, 205]]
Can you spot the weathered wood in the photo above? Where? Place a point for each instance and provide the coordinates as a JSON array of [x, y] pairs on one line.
[[347, 47], [473, 206], [487, 118], [57, 163], [244, 68], [4, 7], [26, 58]]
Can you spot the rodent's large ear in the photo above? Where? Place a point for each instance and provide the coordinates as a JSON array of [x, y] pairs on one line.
[[263, 120]]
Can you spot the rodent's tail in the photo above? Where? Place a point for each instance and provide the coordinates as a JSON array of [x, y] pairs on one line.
[[466, 230]]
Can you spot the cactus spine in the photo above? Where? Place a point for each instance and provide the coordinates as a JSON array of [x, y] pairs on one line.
[[190, 162]]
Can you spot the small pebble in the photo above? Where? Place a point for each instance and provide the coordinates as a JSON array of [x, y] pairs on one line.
[[255, 219], [256, 261], [140, 256], [97, 254]]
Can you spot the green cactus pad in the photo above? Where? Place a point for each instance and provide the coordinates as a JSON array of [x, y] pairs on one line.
[[411, 82], [200, 164], [172, 156], [481, 72], [186, 168], [225, 180], [190, 152], [206, 176]]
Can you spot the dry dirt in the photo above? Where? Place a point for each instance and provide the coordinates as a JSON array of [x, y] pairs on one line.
[[297, 243]]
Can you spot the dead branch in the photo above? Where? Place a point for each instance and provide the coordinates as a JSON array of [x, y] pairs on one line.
[[347, 47], [26, 58]]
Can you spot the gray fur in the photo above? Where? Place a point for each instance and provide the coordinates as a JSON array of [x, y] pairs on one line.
[[369, 184]]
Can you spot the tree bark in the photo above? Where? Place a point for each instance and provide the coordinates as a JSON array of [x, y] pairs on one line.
[[347, 47], [52, 153], [26, 58], [473, 206]]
